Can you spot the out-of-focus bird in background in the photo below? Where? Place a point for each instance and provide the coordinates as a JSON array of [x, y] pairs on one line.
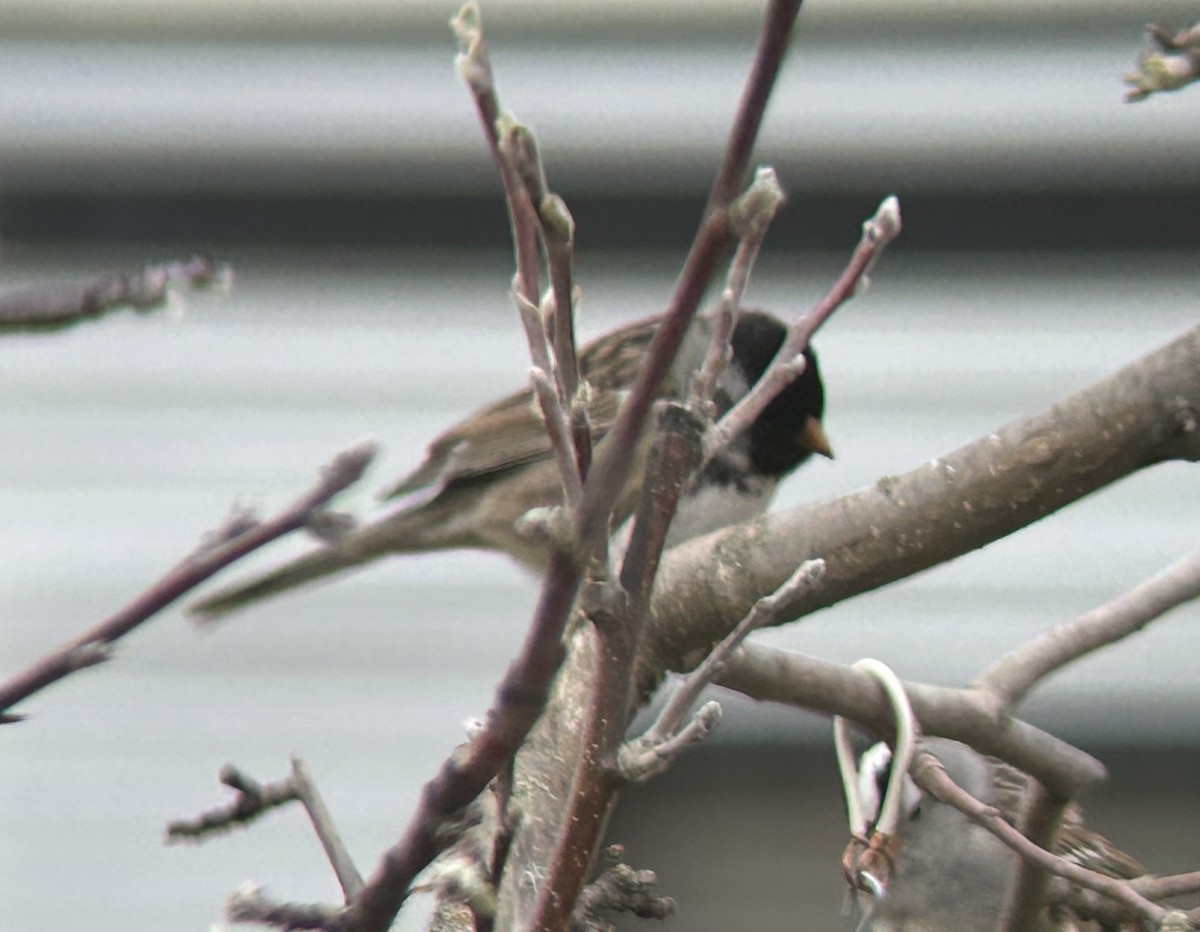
[[486, 472]]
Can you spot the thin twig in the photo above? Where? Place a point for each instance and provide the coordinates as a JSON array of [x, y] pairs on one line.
[[765, 612], [878, 231], [1012, 677], [756, 208], [548, 391], [774, 39], [322, 822], [253, 799], [475, 67], [558, 396], [250, 904], [1171, 885], [230, 543], [713, 237], [56, 307], [557, 227], [929, 774], [532, 209]]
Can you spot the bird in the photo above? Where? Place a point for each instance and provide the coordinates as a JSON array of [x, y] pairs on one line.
[[950, 873], [479, 477]]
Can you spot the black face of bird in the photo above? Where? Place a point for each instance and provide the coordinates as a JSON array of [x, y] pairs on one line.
[[790, 429]]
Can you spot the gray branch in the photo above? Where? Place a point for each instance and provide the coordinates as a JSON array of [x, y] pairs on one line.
[[54, 307], [1012, 677], [1146, 413]]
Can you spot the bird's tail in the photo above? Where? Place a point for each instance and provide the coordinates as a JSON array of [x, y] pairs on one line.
[[359, 546]]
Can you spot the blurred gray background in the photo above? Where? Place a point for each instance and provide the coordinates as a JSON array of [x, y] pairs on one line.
[[329, 152]]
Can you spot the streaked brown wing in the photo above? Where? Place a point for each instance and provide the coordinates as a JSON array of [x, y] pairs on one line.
[[509, 433], [1074, 840]]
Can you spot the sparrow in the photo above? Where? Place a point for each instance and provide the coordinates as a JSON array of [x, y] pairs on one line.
[[950, 873], [483, 474]]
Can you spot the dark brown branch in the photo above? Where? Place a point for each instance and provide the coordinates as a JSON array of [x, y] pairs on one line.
[[57, 307], [249, 904], [712, 239], [1146, 413], [229, 544], [253, 799], [773, 44], [1011, 678], [616, 612], [518, 703]]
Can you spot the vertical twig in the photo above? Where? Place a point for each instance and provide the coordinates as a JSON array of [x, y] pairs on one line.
[[474, 65], [756, 208], [595, 784], [878, 230]]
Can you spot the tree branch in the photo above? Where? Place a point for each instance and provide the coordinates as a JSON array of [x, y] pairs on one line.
[[878, 230], [929, 774], [772, 675], [712, 239], [253, 799], [1146, 413], [651, 752], [57, 307], [1011, 678], [474, 66], [239, 536], [755, 210], [1174, 65], [567, 840]]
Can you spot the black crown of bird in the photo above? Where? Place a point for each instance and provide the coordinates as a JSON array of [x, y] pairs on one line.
[[484, 473]]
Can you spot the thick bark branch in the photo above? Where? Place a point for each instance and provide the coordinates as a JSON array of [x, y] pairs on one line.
[[1146, 413], [773, 675]]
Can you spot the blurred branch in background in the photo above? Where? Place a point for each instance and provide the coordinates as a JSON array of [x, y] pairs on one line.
[[1173, 64], [55, 306]]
